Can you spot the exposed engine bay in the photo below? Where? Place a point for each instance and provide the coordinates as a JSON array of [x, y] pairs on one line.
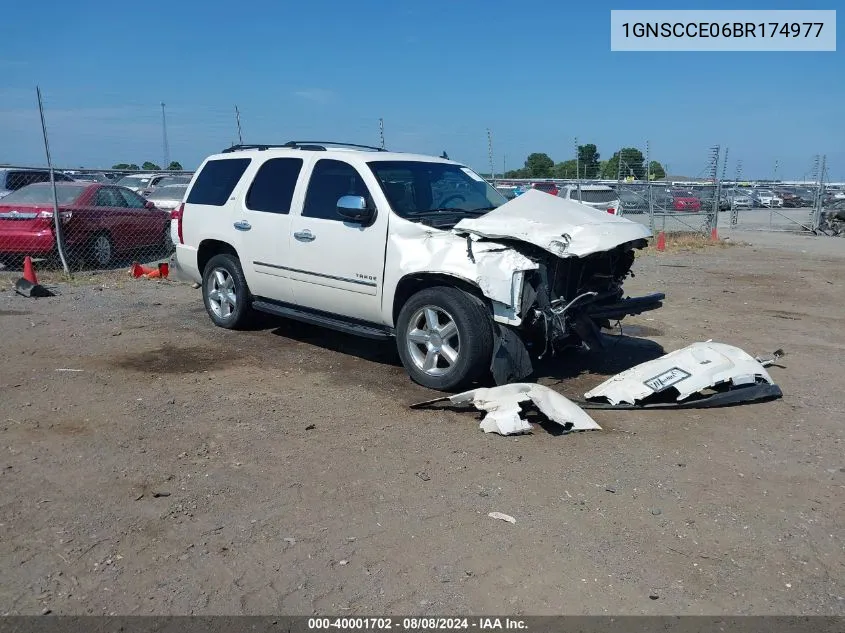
[[570, 300], [565, 303]]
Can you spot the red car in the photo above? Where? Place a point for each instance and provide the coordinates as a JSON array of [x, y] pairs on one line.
[[548, 187], [97, 221], [685, 201]]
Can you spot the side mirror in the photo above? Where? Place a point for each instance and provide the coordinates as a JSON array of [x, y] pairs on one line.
[[149, 204], [355, 209]]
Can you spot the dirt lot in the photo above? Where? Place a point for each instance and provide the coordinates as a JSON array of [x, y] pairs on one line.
[[187, 469]]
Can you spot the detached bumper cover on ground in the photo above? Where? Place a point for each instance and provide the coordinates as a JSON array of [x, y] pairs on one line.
[[503, 407], [686, 374]]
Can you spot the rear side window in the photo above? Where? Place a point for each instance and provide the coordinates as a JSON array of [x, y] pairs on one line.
[[272, 189], [217, 180]]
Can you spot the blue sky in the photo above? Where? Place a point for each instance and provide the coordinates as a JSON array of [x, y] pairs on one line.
[[538, 74]]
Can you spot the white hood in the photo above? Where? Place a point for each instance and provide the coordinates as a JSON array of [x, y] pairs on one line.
[[563, 227]]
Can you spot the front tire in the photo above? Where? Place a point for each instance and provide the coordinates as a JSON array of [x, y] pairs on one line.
[[225, 292], [444, 338]]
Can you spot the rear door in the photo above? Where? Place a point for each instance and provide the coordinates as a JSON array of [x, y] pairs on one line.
[[263, 227], [337, 266]]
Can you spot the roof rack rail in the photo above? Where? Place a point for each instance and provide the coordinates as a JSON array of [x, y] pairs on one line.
[[258, 146], [322, 144], [317, 146]]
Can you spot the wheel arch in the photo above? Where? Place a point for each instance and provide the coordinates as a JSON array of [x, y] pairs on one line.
[[413, 283], [211, 247]]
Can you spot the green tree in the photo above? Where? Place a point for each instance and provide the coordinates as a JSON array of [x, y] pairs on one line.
[[566, 169], [588, 161], [656, 171], [539, 165], [126, 166], [174, 166], [628, 161], [522, 172], [148, 166]]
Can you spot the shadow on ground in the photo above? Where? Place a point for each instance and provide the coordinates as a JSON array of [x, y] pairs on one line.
[[619, 353], [381, 352]]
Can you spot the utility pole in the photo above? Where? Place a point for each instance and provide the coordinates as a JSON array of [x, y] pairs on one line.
[[238, 120], [381, 131], [504, 164], [165, 145], [577, 161], [490, 153], [57, 224], [775, 178]]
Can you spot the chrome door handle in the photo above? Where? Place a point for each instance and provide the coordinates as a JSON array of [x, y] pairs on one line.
[[243, 226], [305, 236]]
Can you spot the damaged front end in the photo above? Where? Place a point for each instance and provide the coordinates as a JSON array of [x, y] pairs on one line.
[[580, 258], [568, 301]]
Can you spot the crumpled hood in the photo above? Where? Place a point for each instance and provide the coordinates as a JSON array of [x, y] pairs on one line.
[[563, 227]]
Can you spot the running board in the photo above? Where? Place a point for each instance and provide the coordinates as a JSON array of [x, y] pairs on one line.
[[332, 322]]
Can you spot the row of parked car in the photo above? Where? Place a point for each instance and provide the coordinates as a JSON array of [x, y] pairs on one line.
[[101, 215], [636, 197]]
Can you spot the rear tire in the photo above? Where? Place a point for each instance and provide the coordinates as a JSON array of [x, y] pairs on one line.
[[225, 292], [445, 338], [101, 250]]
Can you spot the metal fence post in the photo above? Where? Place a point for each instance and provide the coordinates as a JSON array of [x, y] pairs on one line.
[[57, 221], [817, 210]]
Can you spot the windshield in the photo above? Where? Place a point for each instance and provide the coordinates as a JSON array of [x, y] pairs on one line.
[[43, 194], [168, 192], [416, 189], [136, 182]]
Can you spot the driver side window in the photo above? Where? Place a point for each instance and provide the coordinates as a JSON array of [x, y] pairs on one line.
[[330, 181]]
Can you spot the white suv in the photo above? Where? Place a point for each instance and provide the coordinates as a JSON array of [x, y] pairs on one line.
[[383, 245]]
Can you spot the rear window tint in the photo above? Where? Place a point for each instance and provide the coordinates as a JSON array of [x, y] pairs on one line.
[[594, 195], [217, 180], [272, 189], [17, 179]]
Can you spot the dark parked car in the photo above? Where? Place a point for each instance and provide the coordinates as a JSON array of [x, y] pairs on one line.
[[633, 200], [13, 179], [97, 221], [790, 200]]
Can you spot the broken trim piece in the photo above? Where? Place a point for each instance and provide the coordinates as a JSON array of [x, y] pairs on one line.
[[762, 392], [736, 377], [502, 405]]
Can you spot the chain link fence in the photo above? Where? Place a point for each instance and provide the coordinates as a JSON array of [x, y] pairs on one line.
[[96, 219], [671, 207]]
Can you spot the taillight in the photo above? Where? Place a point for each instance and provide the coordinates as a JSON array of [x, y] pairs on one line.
[[48, 215], [611, 211], [177, 214]]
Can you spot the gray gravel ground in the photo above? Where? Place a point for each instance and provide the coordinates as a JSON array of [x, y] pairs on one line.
[[188, 469]]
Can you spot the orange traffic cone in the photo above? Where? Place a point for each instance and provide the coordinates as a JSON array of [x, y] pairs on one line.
[[139, 271], [661, 241], [714, 234], [153, 274], [164, 269], [29, 271], [28, 285]]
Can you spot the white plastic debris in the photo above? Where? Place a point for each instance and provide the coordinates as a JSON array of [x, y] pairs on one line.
[[689, 370], [502, 405], [501, 516]]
